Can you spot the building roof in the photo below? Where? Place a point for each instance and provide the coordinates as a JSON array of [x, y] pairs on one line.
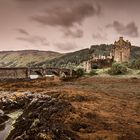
[[121, 42]]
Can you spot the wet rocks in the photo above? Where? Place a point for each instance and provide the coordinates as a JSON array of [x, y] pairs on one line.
[[12, 104], [44, 119], [1, 112], [3, 117]]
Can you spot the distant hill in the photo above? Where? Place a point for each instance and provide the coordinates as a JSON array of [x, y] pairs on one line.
[[25, 58], [135, 53], [75, 58], [37, 58]]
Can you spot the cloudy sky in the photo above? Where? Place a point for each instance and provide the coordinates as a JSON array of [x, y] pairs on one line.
[[67, 25]]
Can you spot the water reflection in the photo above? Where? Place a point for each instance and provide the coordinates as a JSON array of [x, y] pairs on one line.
[[6, 127], [2, 126]]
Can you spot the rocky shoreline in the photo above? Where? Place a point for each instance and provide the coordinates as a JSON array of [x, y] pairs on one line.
[[43, 117], [88, 109]]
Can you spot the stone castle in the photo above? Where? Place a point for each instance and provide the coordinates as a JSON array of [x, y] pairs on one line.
[[120, 53], [121, 50]]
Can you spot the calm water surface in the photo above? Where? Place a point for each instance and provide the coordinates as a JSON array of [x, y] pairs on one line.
[[6, 127]]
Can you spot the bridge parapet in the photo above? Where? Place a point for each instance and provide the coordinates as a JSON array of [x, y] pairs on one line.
[[24, 73]]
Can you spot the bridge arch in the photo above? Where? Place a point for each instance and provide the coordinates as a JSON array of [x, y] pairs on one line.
[[52, 72], [36, 73]]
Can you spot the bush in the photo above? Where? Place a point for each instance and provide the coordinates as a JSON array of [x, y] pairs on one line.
[[138, 73], [93, 72], [79, 72], [117, 69], [135, 64], [95, 66]]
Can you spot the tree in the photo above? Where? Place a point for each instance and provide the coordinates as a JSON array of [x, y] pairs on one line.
[[117, 68], [79, 72], [135, 64], [93, 72]]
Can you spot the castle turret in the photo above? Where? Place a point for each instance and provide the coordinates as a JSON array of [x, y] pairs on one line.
[[121, 50], [87, 66]]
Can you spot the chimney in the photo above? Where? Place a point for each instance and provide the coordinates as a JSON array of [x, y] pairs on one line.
[[121, 38]]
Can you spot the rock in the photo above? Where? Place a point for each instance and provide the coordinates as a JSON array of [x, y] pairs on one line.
[[19, 138], [35, 123], [45, 119], [3, 117], [1, 113], [34, 100], [44, 136]]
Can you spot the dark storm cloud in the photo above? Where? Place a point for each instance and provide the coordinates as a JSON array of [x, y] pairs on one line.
[[22, 31], [130, 29], [34, 40], [76, 33], [32, 1], [68, 46], [67, 16], [66, 21], [120, 3]]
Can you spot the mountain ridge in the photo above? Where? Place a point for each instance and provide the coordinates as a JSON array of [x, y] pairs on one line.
[[76, 58], [23, 58], [39, 58]]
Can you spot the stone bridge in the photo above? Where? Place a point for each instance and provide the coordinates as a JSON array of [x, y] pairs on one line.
[[24, 73], [50, 71]]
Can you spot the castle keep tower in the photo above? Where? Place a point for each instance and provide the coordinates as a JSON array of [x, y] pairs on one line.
[[121, 50]]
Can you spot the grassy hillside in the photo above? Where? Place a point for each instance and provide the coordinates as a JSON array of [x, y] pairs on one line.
[[54, 59], [135, 53], [25, 58], [75, 58]]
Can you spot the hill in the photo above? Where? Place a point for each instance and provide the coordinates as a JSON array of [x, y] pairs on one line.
[[37, 58], [75, 58], [25, 58]]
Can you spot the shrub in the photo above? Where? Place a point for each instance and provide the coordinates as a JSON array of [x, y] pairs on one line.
[[79, 72], [93, 72], [126, 64], [117, 69], [138, 73], [95, 66], [135, 64]]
